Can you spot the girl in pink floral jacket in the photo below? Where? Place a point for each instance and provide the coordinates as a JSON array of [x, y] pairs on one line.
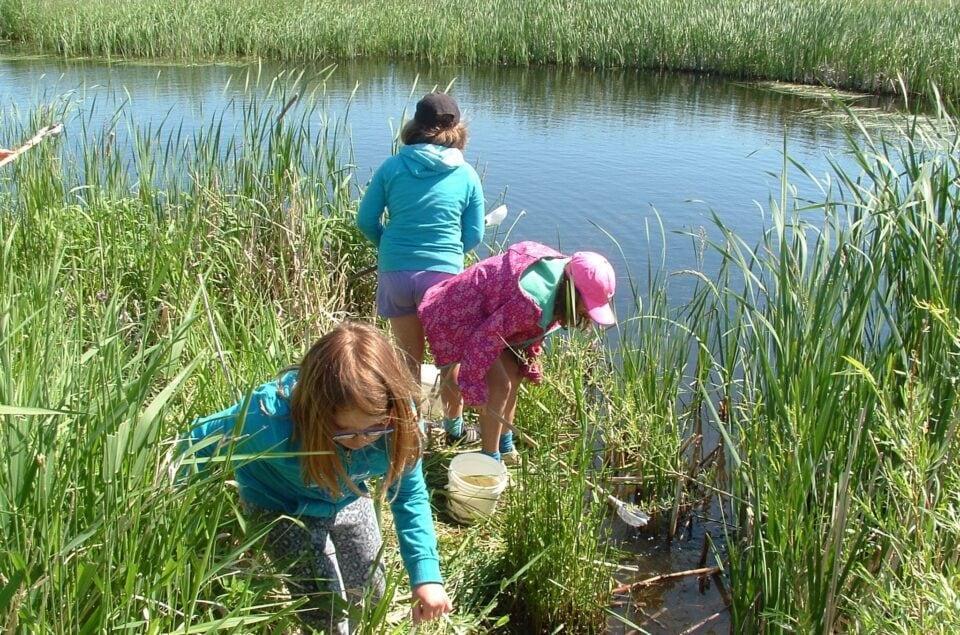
[[491, 319]]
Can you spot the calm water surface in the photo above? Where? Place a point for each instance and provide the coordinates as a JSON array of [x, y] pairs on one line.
[[581, 158]]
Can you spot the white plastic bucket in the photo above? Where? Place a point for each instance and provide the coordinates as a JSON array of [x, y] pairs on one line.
[[468, 501]]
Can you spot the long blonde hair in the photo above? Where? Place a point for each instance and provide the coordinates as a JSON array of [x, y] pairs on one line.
[[452, 137], [353, 366]]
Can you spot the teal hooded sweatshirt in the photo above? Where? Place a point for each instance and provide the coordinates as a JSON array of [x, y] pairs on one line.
[[276, 482], [434, 210]]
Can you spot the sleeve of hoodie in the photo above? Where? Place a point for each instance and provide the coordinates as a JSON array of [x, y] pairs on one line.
[[371, 208], [206, 437], [485, 345], [209, 435], [471, 232], [410, 504]]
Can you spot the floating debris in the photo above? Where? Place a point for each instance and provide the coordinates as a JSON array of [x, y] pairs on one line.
[[824, 93]]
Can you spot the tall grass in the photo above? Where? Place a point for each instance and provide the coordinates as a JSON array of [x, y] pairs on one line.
[[840, 360], [150, 276], [825, 361], [131, 303], [143, 284], [553, 521], [863, 45]]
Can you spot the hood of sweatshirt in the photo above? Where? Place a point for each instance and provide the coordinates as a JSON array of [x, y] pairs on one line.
[[426, 160]]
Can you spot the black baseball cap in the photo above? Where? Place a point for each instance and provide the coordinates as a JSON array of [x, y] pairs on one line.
[[437, 110]]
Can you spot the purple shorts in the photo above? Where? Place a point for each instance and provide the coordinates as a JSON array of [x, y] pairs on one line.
[[399, 292]]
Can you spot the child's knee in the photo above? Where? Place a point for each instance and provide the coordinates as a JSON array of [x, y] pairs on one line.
[[499, 389]]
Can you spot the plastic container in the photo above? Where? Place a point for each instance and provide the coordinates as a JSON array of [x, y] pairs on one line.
[[430, 392], [468, 501]]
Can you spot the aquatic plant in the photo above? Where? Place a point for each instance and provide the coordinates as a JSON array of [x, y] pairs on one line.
[[836, 368], [148, 275], [862, 45]]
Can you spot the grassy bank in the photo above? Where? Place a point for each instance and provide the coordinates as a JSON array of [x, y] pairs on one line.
[[142, 285], [862, 45], [148, 283]]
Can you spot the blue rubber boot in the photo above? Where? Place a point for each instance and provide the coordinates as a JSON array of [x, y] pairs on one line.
[[506, 442]]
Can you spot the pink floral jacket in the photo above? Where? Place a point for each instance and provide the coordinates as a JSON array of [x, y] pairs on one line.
[[472, 317]]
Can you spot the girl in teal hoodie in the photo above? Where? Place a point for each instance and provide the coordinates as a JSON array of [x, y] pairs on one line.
[[423, 210], [348, 410]]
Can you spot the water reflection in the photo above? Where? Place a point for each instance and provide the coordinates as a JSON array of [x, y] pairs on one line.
[[583, 153]]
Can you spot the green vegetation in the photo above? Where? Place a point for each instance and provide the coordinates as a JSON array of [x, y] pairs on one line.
[[142, 287], [839, 361], [828, 358], [128, 309], [863, 45]]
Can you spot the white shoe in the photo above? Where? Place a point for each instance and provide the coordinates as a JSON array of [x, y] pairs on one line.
[[471, 434], [511, 458]]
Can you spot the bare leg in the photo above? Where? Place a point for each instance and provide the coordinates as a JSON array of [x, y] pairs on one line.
[[511, 406], [450, 392], [515, 378], [409, 334], [503, 381]]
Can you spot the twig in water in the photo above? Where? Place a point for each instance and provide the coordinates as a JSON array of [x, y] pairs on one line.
[[702, 623], [707, 519], [653, 618], [703, 571]]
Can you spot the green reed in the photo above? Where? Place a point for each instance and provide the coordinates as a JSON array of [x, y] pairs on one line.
[[127, 308], [149, 276], [838, 358], [143, 285], [552, 524], [863, 45], [825, 361]]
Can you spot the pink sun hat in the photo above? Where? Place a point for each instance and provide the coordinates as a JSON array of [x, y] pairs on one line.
[[593, 276]]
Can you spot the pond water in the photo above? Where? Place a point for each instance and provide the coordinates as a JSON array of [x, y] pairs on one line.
[[581, 158]]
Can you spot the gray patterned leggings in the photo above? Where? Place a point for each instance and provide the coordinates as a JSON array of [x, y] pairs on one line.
[[331, 561]]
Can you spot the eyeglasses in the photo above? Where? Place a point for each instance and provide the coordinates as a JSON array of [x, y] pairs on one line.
[[367, 433]]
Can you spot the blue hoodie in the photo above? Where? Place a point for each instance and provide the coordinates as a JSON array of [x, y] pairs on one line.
[[277, 483], [435, 210]]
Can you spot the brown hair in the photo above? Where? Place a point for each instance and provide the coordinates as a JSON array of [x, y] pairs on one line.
[[452, 137], [565, 304], [353, 366]]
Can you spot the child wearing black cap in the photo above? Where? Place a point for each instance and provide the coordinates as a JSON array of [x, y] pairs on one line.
[[423, 210]]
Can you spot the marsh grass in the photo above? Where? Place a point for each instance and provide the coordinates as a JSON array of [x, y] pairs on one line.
[[824, 359], [553, 525], [131, 303], [149, 276], [838, 355], [862, 45]]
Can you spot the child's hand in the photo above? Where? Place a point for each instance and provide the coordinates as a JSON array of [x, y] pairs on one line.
[[430, 601]]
